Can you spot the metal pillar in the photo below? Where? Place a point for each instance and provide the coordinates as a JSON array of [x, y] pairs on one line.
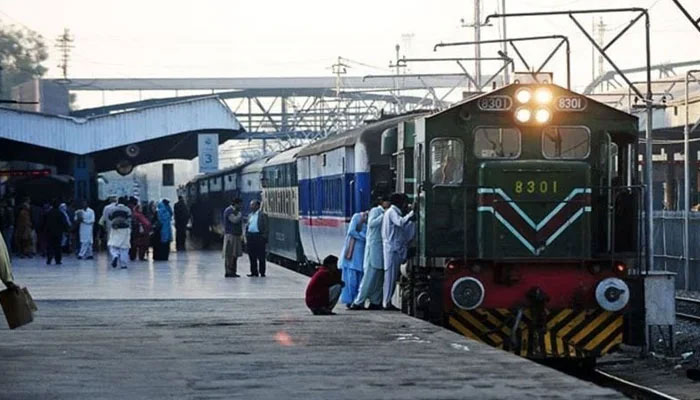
[[686, 179], [477, 38]]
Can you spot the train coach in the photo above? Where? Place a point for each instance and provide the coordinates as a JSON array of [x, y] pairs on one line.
[[528, 220], [280, 191], [336, 177]]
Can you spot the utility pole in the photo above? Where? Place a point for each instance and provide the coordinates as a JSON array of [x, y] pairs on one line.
[[339, 69], [477, 38], [601, 42], [64, 45], [504, 45]]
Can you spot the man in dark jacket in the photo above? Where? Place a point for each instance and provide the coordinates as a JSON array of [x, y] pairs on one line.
[[182, 217], [233, 238], [55, 226], [256, 239]]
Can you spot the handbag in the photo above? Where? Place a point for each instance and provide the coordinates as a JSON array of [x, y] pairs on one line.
[[18, 307], [350, 249]]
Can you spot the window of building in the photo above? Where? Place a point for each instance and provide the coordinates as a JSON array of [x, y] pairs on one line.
[[497, 143], [566, 142], [446, 161]]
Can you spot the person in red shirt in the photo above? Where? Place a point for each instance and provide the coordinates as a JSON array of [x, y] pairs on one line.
[[323, 290]]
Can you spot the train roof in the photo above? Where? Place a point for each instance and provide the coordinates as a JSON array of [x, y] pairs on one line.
[[350, 137], [257, 165], [285, 157], [591, 105]]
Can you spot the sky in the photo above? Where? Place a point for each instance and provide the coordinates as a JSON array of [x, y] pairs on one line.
[[235, 38]]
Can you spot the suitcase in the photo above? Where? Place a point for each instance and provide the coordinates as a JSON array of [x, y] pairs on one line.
[[18, 307]]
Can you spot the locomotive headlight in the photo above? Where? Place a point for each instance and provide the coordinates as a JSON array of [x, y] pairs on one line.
[[523, 96], [543, 96], [523, 115], [612, 294], [543, 115], [467, 293]]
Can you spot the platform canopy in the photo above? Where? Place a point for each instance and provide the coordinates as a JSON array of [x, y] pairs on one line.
[[165, 131]]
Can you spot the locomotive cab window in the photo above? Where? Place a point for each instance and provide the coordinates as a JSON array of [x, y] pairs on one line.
[[446, 161], [496, 143], [566, 142]]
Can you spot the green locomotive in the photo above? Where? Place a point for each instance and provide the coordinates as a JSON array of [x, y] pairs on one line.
[[528, 216]]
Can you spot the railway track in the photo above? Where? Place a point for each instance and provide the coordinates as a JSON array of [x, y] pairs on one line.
[[688, 309], [633, 390]]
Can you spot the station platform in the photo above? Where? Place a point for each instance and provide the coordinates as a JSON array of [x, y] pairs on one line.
[[179, 330]]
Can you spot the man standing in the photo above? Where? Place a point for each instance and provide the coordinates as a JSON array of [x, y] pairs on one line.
[[56, 226], [86, 218], [104, 221], [324, 288], [256, 239], [233, 238], [393, 237], [182, 217], [371, 284], [353, 257], [119, 243]]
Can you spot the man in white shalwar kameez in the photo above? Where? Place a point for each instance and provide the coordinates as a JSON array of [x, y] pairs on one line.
[[373, 278], [86, 217], [104, 221], [393, 237], [119, 243]]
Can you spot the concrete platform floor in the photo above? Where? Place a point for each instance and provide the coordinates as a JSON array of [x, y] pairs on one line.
[[180, 330]]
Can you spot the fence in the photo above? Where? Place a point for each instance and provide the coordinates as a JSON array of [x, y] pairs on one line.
[[668, 247]]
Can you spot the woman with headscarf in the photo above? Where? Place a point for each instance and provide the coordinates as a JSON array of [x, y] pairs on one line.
[[140, 232], [23, 230], [161, 246]]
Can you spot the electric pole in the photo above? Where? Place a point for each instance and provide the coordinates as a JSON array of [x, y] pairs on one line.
[[504, 45], [477, 38], [64, 44]]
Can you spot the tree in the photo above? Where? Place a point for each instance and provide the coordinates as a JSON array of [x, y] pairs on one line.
[[21, 53]]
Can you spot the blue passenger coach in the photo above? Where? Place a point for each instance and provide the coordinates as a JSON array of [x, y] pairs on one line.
[[336, 178]]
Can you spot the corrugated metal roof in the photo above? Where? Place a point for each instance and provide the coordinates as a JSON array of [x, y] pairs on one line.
[[89, 135]]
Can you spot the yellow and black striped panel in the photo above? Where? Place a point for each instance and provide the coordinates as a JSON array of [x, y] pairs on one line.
[[556, 334]]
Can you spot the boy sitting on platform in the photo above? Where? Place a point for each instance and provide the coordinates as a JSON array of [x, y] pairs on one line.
[[323, 290]]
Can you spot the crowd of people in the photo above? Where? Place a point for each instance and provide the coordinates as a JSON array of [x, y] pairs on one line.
[[125, 227], [375, 246]]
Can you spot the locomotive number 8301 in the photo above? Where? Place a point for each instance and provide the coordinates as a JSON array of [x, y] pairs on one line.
[[535, 186]]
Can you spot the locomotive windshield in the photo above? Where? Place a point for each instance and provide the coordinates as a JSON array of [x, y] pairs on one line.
[[566, 142], [446, 161], [497, 143]]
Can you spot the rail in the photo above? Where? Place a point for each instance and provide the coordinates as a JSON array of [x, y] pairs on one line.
[[690, 309], [626, 387]]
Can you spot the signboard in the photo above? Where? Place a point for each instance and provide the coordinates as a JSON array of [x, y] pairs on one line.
[[208, 145], [25, 172]]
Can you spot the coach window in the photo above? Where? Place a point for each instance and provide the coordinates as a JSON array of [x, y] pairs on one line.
[[497, 143], [566, 142], [446, 161]]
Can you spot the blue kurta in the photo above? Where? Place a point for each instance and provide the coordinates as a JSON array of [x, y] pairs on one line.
[[374, 257], [165, 217], [353, 267]]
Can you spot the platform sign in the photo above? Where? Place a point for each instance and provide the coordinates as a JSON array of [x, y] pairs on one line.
[[208, 145]]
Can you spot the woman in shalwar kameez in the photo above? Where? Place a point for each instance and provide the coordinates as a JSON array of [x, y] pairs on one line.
[[352, 257]]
